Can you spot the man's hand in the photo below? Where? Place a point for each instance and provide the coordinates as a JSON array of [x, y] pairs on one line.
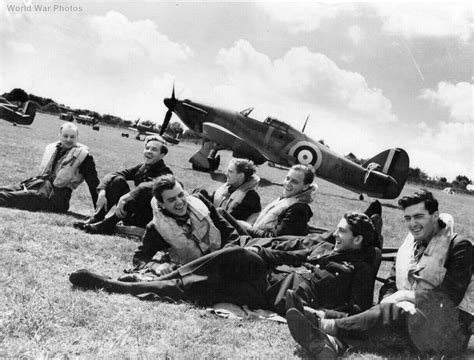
[[162, 269], [101, 201], [399, 296], [120, 208], [247, 226]]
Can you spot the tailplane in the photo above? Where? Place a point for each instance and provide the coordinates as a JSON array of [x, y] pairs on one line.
[[394, 163]]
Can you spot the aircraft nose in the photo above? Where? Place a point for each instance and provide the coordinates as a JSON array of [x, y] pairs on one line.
[[168, 102]]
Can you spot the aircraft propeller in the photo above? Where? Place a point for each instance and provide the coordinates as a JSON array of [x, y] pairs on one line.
[[170, 103]]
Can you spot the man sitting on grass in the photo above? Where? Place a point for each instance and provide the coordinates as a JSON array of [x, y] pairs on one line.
[[428, 303], [238, 196], [335, 276], [65, 165], [132, 206], [290, 213]]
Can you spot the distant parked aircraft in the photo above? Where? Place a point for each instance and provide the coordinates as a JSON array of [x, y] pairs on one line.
[[142, 129], [383, 176], [18, 115]]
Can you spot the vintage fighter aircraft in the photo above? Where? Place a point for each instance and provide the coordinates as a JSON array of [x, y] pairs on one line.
[[16, 114], [146, 130], [383, 176]]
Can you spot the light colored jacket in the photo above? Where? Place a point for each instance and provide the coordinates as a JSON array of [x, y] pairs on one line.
[[202, 238], [66, 171]]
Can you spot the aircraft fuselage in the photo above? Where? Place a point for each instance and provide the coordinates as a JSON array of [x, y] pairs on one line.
[[280, 143]]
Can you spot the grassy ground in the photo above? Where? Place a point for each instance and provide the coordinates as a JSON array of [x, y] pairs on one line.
[[42, 316]]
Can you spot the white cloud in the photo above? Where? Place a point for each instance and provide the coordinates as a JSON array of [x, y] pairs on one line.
[[304, 76], [446, 151], [303, 17], [458, 98], [21, 47], [432, 19], [123, 40], [356, 34], [105, 63]]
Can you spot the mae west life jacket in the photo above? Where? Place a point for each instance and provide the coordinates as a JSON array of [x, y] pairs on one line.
[[268, 217], [430, 268], [66, 171], [229, 202], [202, 239]]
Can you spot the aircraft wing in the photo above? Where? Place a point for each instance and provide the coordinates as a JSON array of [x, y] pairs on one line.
[[143, 132], [230, 141]]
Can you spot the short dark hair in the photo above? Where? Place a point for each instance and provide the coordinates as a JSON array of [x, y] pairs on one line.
[[162, 183], [423, 195], [245, 166], [164, 148], [360, 224], [308, 171]]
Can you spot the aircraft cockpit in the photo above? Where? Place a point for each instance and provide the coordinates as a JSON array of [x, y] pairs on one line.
[[280, 125]]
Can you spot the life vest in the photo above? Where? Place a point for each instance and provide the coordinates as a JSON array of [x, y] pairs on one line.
[[66, 171], [229, 202], [268, 217], [430, 268], [203, 238]]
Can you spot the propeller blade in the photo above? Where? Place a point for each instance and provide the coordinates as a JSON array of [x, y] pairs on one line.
[[166, 121]]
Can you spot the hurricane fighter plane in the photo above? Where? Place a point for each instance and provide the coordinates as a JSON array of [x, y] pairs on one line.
[[18, 115], [383, 176], [146, 130]]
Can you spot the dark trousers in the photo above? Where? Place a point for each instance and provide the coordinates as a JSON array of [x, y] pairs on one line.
[[232, 274], [387, 327], [41, 197], [139, 212]]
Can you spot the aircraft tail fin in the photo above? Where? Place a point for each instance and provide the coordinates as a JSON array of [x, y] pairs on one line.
[[393, 162], [30, 109]]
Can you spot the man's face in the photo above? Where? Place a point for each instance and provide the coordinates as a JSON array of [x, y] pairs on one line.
[[420, 223], [294, 183], [234, 178], [152, 152], [174, 200], [345, 239], [68, 137]]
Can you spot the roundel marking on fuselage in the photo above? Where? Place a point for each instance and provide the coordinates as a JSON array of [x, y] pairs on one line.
[[306, 153]]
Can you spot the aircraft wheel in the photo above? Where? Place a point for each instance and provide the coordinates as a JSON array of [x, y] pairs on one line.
[[14, 124], [214, 163], [361, 197]]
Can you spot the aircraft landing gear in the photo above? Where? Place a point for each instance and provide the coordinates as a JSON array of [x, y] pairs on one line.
[[361, 197], [206, 159]]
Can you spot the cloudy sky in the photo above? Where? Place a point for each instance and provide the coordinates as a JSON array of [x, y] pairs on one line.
[[372, 76]]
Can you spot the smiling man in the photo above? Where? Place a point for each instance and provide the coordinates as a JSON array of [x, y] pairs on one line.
[[427, 304], [65, 165], [131, 206], [184, 228], [290, 213], [238, 195]]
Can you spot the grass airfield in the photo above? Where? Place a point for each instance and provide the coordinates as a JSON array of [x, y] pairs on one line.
[[44, 317]]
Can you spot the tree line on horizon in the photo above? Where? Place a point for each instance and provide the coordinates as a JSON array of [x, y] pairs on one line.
[[47, 105]]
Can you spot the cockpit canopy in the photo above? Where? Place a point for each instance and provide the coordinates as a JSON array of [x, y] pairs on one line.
[[276, 124]]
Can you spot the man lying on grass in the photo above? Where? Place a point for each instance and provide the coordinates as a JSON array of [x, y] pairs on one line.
[[427, 305], [65, 165], [337, 276]]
